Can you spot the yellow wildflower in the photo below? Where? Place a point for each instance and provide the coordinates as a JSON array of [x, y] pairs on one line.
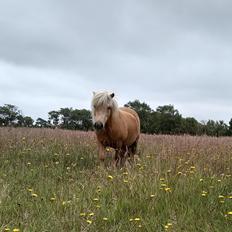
[[168, 189], [91, 214], [7, 229], [105, 219], [125, 181], [152, 195], [82, 214], [137, 219], [16, 230], [131, 220], [95, 199], [229, 213], [89, 222], [110, 177], [52, 199], [34, 195]]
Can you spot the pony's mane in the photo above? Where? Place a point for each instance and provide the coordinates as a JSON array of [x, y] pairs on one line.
[[103, 99]]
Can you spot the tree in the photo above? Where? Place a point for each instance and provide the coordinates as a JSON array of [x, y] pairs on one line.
[[53, 117], [9, 114], [145, 112], [169, 120], [230, 127], [28, 121], [190, 126], [40, 122]]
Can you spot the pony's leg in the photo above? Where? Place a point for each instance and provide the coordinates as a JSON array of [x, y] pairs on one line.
[[101, 152], [117, 158], [132, 149], [123, 155]]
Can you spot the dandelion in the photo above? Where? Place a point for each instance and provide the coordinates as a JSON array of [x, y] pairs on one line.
[[30, 190], [221, 197], [229, 197], [91, 214], [168, 171], [125, 173], [219, 181], [34, 195], [152, 195], [168, 190], [16, 230], [229, 213], [131, 220], [163, 185], [162, 179], [89, 222], [137, 219], [110, 177], [105, 219], [204, 194], [7, 229], [201, 180], [192, 167], [95, 199], [82, 214], [98, 206], [52, 199]]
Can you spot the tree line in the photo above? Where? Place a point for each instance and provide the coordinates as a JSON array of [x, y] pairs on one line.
[[164, 120]]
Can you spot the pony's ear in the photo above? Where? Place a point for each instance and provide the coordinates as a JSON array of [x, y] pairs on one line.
[[112, 95]]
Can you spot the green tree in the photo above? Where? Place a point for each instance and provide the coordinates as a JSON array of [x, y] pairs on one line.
[[40, 122], [169, 120], [190, 126], [145, 114], [9, 114], [53, 117]]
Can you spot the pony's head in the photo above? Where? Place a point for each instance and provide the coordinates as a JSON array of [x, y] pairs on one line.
[[103, 104]]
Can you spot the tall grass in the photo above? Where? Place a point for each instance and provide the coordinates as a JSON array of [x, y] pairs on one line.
[[51, 180]]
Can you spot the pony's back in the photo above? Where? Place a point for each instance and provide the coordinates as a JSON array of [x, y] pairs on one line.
[[131, 111]]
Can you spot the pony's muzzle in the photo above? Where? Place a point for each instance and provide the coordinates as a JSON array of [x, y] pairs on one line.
[[98, 126]]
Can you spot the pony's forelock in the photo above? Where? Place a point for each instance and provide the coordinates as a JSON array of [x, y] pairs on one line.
[[103, 99]]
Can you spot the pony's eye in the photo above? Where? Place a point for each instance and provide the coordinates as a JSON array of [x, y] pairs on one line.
[[109, 108]]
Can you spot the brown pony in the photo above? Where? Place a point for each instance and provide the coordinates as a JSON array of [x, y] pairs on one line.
[[115, 127]]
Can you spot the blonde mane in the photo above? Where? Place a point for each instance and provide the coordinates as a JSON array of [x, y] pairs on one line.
[[103, 99]]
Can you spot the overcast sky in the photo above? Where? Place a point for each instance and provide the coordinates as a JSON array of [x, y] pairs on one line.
[[54, 53]]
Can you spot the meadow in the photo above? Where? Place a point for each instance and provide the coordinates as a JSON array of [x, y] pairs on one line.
[[52, 180]]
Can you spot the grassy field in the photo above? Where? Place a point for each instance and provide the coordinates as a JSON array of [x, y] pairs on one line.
[[51, 180]]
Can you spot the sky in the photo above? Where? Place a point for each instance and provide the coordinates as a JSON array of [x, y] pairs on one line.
[[55, 53]]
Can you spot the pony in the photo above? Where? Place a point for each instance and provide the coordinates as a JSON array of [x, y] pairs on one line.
[[115, 127]]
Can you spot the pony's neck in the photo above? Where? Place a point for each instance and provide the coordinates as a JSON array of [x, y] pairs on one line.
[[113, 117]]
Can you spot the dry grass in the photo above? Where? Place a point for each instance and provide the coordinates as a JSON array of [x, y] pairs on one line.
[[51, 180]]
